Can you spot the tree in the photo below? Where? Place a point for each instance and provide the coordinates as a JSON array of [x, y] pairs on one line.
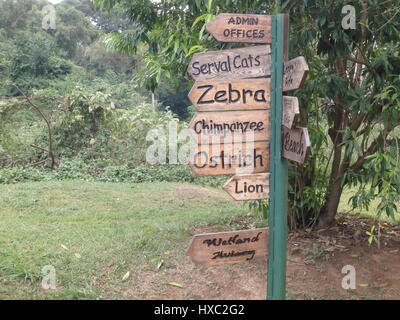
[[350, 102], [107, 22], [354, 91], [74, 31]]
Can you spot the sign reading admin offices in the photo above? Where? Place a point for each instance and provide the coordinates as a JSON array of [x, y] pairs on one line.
[[230, 27]]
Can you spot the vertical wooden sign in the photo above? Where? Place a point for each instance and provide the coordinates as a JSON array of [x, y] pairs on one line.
[[296, 144], [290, 111], [248, 106]]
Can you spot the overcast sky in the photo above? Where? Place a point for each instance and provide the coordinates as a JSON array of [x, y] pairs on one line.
[[55, 1]]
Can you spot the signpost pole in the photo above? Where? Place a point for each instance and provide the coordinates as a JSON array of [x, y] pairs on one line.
[[279, 169]]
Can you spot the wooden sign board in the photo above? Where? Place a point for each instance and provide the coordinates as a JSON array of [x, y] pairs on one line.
[[231, 27], [250, 62], [296, 144], [239, 126], [250, 94], [230, 158], [290, 111], [248, 186], [294, 73], [228, 247]]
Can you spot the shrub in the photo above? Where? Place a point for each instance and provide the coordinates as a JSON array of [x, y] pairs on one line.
[[14, 175]]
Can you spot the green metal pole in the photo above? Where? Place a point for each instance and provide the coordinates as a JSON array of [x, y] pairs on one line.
[[279, 172]]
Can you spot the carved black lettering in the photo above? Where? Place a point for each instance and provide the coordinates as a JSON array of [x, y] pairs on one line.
[[234, 62], [231, 91], [199, 154], [196, 68], [219, 95], [208, 87], [259, 96]]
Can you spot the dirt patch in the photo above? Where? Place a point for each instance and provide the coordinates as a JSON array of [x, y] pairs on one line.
[[193, 192], [314, 268]]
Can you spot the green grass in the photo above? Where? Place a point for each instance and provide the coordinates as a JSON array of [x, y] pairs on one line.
[[345, 206], [93, 233]]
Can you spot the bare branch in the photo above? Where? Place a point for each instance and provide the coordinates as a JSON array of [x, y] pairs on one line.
[[54, 161]]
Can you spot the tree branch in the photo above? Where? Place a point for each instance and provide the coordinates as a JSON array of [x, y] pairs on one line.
[[54, 161]]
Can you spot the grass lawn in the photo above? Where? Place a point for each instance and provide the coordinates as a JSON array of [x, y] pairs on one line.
[[94, 233]]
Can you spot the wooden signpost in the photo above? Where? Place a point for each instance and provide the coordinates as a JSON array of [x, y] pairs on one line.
[[296, 144], [290, 111], [228, 247], [246, 128], [242, 126], [248, 186], [215, 160], [230, 27], [249, 94], [231, 64], [294, 73]]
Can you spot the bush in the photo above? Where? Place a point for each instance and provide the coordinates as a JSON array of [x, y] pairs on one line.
[[78, 169], [14, 175], [72, 169]]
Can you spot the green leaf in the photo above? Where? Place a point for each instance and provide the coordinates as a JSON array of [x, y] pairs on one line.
[[198, 19]]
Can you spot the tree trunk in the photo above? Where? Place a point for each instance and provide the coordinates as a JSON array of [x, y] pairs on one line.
[[328, 212]]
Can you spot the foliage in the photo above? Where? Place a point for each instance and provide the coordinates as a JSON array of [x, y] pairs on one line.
[[107, 22], [74, 31], [172, 32], [104, 171], [81, 119], [352, 91], [176, 99], [15, 175], [98, 62], [31, 61], [18, 128]]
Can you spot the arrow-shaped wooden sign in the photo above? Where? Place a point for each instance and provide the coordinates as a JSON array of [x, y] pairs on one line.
[[250, 62], [294, 73], [211, 249], [290, 111], [296, 144], [240, 126], [230, 158], [231, 27], [248, 186], [249, 94]]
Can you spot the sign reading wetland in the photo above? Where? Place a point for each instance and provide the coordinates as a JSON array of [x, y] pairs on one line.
[[228, 247]]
